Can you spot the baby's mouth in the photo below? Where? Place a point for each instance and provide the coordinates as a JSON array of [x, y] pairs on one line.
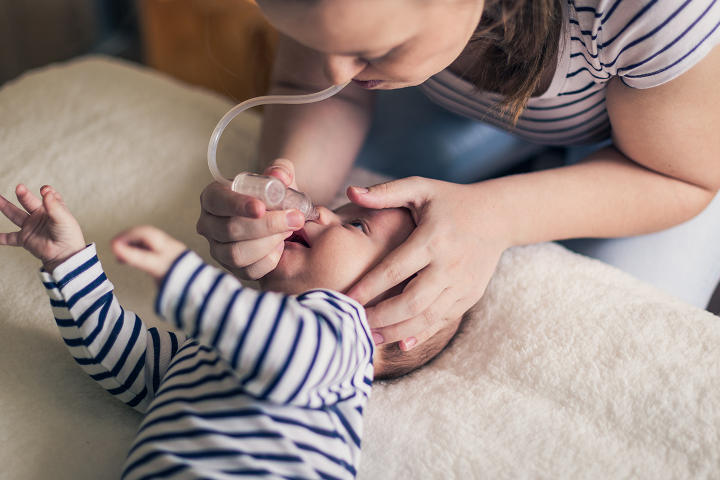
[[299, 236]]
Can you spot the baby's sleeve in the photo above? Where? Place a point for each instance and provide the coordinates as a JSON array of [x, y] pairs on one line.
[[647, 44], [111, 344], [312, 350]]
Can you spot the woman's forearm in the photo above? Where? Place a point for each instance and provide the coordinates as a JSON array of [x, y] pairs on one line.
[[321, 139], [606, 195]]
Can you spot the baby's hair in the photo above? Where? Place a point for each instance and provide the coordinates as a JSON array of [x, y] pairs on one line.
[[397, 363]]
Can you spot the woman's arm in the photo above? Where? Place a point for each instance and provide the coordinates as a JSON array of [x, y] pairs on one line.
[[663, 170], [321, 139]]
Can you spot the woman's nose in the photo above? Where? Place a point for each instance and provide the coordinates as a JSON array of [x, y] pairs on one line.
[[341, 69]]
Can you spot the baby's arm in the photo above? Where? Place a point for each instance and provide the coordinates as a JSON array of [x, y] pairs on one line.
[[111, 344], [312, 350]]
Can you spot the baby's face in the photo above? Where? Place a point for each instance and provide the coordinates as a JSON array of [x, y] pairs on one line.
[[335, 250]]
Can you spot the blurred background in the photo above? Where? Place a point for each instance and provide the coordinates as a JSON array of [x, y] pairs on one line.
[[224, 45]]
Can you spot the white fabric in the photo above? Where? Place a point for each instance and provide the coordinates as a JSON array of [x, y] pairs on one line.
[[568, 368]]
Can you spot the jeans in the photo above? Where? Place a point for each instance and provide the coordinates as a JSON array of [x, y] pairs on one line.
[[412, 136]]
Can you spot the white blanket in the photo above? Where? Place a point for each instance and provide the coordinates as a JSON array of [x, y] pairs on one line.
[[568, 368]]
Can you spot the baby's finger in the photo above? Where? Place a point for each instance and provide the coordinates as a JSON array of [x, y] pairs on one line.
[[49, 188], [398, 265], [12, 239], [144, 237], [138, 257], [220, 201], [416, 297], [13, 213], [57, 211], [29, 201]]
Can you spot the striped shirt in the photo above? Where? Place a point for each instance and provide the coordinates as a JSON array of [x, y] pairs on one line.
[[643, 42], [253, 384]]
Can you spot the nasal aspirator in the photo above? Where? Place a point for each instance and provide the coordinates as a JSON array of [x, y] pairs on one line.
[[270, 190], [274, 194]]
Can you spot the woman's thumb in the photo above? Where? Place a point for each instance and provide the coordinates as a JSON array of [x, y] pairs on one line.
[[398, 193], [283, 169]]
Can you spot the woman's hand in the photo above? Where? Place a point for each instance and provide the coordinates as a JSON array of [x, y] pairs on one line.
[[47, 228], [244, 237], [453, 250]]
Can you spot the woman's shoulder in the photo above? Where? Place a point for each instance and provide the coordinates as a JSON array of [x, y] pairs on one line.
[[645, 42]]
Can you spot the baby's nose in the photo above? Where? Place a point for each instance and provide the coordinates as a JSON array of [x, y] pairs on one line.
[[326, 216]]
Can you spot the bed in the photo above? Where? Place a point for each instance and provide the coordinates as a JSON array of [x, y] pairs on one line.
[[567, 367]]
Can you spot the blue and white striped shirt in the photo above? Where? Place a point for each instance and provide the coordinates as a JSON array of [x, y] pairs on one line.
[[644, 43], [253, 384]]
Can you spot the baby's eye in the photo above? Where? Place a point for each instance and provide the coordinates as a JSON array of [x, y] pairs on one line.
[[357, 224]]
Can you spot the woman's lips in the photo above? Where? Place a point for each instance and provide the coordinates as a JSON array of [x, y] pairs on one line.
[[368, 83]]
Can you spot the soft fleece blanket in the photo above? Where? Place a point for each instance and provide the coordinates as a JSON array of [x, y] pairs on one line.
[[567, 368]]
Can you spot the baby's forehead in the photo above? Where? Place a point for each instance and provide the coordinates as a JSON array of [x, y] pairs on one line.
[[350, 211], [387, 220], [350, 208]]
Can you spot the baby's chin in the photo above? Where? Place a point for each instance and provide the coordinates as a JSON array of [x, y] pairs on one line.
[[286, 277]]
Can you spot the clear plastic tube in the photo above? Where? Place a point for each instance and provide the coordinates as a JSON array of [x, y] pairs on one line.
[[254, 102]]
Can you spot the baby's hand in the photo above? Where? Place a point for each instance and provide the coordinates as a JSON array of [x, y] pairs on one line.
[[47, 228], [148, 249]]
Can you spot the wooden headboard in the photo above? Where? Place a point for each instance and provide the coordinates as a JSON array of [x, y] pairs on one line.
[[225, 45]]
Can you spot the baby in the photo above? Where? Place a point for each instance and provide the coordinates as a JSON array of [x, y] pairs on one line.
[[248, 383]]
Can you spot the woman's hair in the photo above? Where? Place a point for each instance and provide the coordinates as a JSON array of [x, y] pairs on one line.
[[515, 42]]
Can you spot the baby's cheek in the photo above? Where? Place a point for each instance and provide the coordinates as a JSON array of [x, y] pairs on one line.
[[342, 273]]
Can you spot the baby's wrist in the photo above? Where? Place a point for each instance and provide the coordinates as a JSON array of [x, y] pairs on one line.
[[49, 265]]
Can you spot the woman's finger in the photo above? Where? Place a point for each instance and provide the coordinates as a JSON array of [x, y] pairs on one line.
[[420, 292], [266, 264], [221, 201], [28, 201], [282, 169], [453, 316], [244, 254], [411, 331], [407, 259], [13, 213], [405, 192], [238, 229]]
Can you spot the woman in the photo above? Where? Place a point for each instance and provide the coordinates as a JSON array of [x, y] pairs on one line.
[[639, 75]]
